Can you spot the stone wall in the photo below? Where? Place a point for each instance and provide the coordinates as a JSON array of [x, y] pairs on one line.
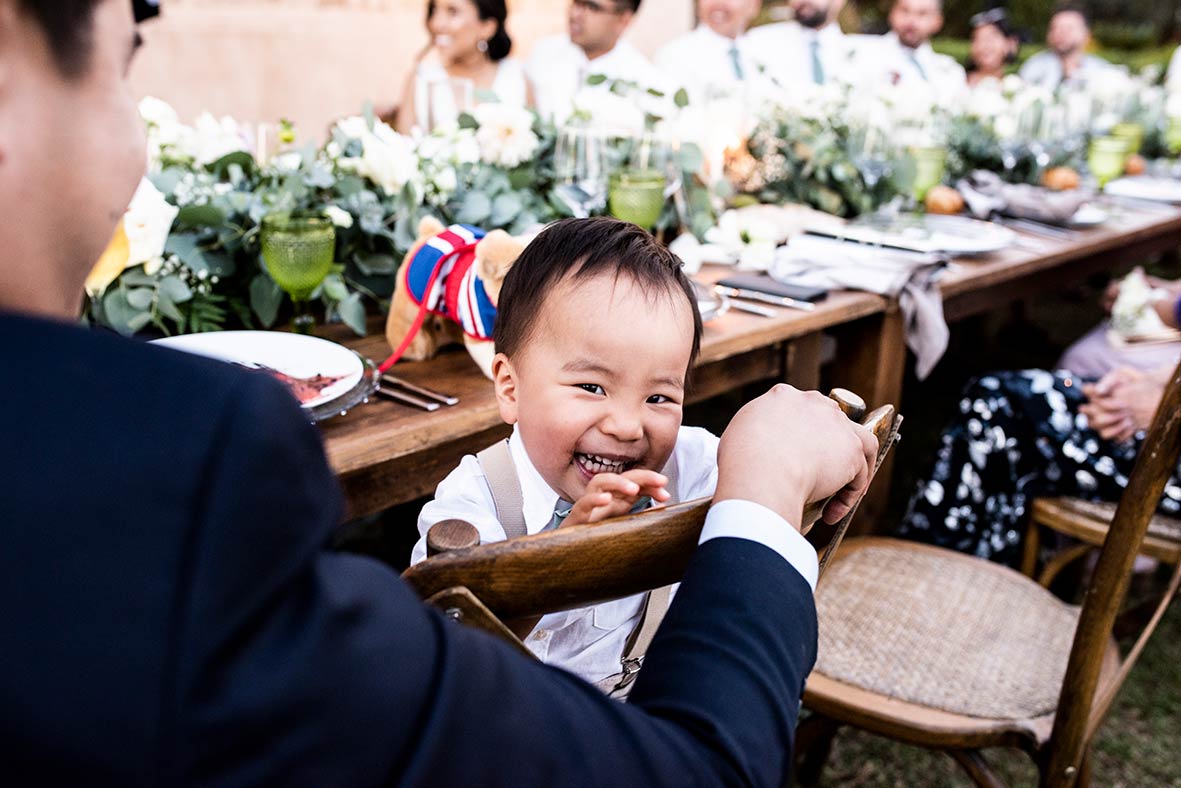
[[314, 60]]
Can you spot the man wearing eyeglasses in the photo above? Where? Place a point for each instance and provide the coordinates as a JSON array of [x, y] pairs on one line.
[[560, 65]]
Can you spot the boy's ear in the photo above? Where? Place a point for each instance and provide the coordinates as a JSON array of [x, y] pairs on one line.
[[504, 381]]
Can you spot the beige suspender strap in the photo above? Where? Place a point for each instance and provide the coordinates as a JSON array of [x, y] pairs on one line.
[[501, 473], [655, 606]]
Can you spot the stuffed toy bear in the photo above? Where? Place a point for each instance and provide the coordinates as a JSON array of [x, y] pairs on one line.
[[447, 289]]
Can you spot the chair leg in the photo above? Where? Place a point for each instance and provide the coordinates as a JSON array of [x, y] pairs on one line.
[[1061, 561], [977, 768], [813, 744], [1032, 545]]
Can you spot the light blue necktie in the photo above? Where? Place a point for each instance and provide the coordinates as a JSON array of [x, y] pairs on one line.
[[562, 511], [817, 66], [918, 67], [737, 61]]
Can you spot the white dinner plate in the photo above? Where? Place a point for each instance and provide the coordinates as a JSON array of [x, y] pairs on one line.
[[297, 355], [1146, 187], [952, 235]]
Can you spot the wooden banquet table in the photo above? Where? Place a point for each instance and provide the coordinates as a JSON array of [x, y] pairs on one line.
[[385, 453]]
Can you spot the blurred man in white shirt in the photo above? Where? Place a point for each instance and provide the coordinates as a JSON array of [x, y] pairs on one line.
[[809, 50], [1065, 63], [717, 53], [907, 58], [560, 65]]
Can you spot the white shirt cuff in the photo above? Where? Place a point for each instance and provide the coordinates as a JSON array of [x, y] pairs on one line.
[[748, 520]]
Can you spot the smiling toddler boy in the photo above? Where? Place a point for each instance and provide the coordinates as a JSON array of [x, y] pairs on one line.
[[596, 331]]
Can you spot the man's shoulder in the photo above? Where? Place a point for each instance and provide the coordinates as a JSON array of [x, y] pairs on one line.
[[551, 46]]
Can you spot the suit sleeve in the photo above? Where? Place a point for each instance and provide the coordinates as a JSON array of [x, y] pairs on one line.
[[296, 666]]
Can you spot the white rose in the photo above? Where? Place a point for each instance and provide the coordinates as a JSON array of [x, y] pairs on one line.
[[505, 135], [147, 223], [338, 216], [387, 158]]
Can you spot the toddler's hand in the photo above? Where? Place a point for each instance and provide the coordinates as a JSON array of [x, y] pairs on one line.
[[612, 494]]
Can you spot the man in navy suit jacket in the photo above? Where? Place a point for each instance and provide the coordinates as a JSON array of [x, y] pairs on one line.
[[169, 613]]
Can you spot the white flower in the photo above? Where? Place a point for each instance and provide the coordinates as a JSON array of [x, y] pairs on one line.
[[215, 138], [748, 239], [387, 158], [340, 217], [1173, 105], [1132, 313], [166, 135], [505, 135], [147, 223], [139, 238]]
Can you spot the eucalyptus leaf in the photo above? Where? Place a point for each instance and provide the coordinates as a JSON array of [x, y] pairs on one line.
[[596, 79], [476, 208], [241, 158], [140, 297], [375, 263], [168, 308], [352, 312], [468, 121], [193, 216], [118, 313], [334, 288], [265, 299], [681, 98], [175, 289], [505, 208], [137, 277]]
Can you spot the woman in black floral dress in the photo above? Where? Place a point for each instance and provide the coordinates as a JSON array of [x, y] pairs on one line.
[[1021, 435]]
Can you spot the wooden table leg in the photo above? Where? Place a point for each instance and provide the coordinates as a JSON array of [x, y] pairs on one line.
[[871, 361], [802, 366]]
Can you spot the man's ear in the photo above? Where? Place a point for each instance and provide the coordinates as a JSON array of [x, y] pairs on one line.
[[504, 382]]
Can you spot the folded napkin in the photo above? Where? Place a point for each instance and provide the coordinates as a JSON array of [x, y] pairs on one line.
[[986, 194], [911, 277]]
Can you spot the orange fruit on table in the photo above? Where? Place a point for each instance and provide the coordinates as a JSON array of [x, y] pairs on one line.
[[943, 199], [1061, 179], [1135, 165]]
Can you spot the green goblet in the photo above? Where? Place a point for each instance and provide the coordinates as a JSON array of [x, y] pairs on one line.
[[928, 169], [637, 196], [1173, 136], [1106, 158], [298, 251], [1132, 133]]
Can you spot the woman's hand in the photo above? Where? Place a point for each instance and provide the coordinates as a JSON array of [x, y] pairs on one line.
[[1121, 403]]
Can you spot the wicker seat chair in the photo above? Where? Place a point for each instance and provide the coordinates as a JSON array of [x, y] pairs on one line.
[[933, 648]]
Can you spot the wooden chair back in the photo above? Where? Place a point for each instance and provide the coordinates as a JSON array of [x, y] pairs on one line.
[[578, 565], [1079, 710]]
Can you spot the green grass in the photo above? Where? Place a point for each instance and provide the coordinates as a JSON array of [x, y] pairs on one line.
[[1137, 745]]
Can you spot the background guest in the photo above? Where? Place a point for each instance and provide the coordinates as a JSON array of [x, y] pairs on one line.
[[715, 53], [1066, 62], [809, 50], [468, 41], [994, 45], [906, 56], [559, 65]]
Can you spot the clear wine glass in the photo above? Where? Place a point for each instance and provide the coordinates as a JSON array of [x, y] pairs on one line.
[[580, 170], [871, 151]]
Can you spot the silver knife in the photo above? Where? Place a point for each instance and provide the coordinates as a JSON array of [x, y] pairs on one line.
[[409, 399], [765, 298], [397, 382]]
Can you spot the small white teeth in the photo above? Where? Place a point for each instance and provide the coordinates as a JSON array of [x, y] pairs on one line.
[[599, 464]]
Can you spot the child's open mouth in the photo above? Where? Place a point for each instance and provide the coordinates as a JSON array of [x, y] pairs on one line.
[[591, 464]]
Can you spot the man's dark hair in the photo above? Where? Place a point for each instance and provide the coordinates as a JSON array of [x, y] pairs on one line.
[[69, 30], [629, 5], [580, 249]]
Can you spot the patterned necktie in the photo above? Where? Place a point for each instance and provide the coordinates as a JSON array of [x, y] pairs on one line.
[[817, 66], [737, 61], [918, 66]]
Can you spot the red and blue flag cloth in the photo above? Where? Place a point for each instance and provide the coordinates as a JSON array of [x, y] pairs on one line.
[[441, 275]]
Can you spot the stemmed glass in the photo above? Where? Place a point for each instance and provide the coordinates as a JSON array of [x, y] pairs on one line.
[[298, 251], [871, 151], [580, 170], [638, 192]]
